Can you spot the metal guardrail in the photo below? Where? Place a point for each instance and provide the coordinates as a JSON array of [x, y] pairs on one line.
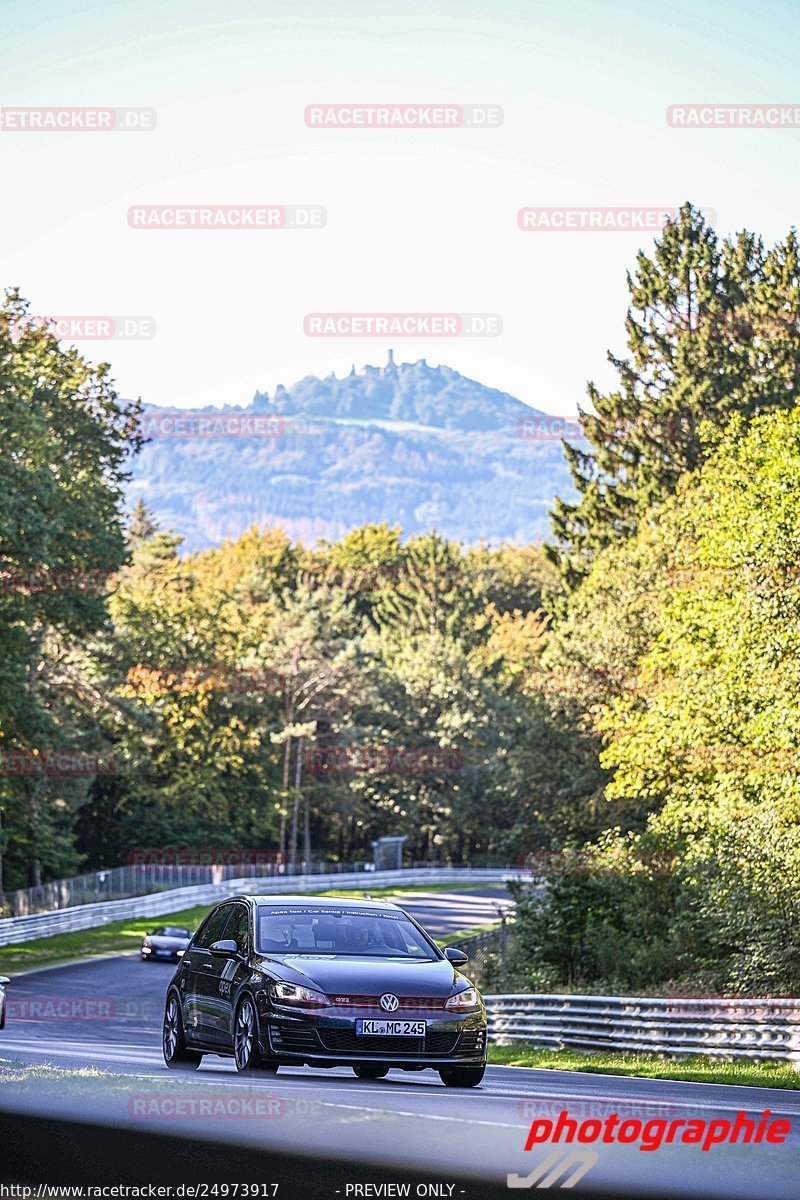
[[89, 916], [675, 1027], [139, 878]]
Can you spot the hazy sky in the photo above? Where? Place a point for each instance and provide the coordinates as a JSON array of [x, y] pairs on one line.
[[417, 221]]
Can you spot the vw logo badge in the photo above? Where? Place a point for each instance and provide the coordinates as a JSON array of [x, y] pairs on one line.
[[389, 1003]]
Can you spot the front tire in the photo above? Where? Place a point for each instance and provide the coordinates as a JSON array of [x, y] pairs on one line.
[[367, 1071], [177, 1055], [245, 1040], [462, 1076]]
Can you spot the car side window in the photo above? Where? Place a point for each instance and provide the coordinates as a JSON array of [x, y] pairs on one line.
[[237, 928], [212, 930]]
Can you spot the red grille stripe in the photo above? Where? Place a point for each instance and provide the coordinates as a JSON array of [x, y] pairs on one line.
[[405, 1002]]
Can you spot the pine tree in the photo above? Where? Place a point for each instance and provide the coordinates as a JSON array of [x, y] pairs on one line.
[[142, 524], [712, 330], [429, 596]]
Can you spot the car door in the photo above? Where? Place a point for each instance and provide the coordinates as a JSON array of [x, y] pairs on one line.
[[230, 973], [215, 978], [196, 966]]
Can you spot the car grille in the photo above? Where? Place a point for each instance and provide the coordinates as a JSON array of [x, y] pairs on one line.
[[472, 1042], [346, 1041], [404, 1002], [300, 1039], [293, 1037]]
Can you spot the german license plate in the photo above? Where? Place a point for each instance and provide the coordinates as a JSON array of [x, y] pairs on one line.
[[390, 1028]]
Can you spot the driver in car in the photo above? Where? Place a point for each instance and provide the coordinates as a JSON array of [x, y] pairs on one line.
[[367, 937], [278, 932]]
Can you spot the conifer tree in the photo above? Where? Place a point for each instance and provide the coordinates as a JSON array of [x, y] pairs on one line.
[[712, 330]]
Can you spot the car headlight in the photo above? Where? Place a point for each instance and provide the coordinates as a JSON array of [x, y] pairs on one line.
[[462, 1001], [300, 997]]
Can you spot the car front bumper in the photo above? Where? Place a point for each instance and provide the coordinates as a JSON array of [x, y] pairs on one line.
[[162, 955], [327, 1040]]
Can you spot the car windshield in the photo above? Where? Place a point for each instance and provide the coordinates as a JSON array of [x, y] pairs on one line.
[[352, 932], [172, 931]]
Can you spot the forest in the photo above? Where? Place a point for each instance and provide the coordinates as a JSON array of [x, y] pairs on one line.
[[622, 701]]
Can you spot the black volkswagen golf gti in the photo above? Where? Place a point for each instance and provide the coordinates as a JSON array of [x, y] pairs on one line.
[[296, 980]]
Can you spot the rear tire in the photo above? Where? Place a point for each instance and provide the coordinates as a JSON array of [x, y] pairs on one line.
[[462, 1076], [367, 1071], [177, 1055]]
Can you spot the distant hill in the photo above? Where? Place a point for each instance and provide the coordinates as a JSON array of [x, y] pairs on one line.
[[411, 444]]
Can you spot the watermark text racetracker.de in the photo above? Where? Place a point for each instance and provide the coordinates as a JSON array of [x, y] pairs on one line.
[[392, 760], [402, 324], [734, 116], [77, 120], [403, 116], [61, 1008], [191, 423], [600, 218], [51, 581], [220, 1106], [56, 764], [226, 216], [175, 856], [87, 328], [576, 862], [177, 679], [548, 428]]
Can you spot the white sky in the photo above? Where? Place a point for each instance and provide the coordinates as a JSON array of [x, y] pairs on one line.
[[417, 221]]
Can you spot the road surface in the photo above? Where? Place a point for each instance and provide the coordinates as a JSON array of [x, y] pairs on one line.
[[106, 1014]]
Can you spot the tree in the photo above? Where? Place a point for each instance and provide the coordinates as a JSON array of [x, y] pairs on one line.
[[429, 595], [713, 330], [66, 437], [704, 739], [142, 524], [307, 647]]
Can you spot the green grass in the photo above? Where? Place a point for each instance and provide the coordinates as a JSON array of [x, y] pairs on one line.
[[75, 1083], [30, 1075], [697, 1069], [461, 935], [120, 936], [382, 893], [116, 937]]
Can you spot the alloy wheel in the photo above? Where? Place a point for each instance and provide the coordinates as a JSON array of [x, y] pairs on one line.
[[245, 1035], [171, 1020]]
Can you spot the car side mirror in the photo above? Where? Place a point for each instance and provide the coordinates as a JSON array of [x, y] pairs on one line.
[[227, 947], [456, 957], [4, 979]]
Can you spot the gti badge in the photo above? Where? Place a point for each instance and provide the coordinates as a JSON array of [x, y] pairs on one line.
[[389, 1003]]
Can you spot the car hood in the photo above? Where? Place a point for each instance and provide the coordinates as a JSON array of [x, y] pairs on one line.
[[167, 943], [351, 975]]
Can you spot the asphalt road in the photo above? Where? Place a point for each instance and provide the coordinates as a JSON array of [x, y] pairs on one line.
[[106, 1014]]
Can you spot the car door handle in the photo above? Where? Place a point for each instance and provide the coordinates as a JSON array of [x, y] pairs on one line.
[[209, 966]]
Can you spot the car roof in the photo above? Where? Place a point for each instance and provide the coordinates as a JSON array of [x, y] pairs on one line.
[[318, 901]]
